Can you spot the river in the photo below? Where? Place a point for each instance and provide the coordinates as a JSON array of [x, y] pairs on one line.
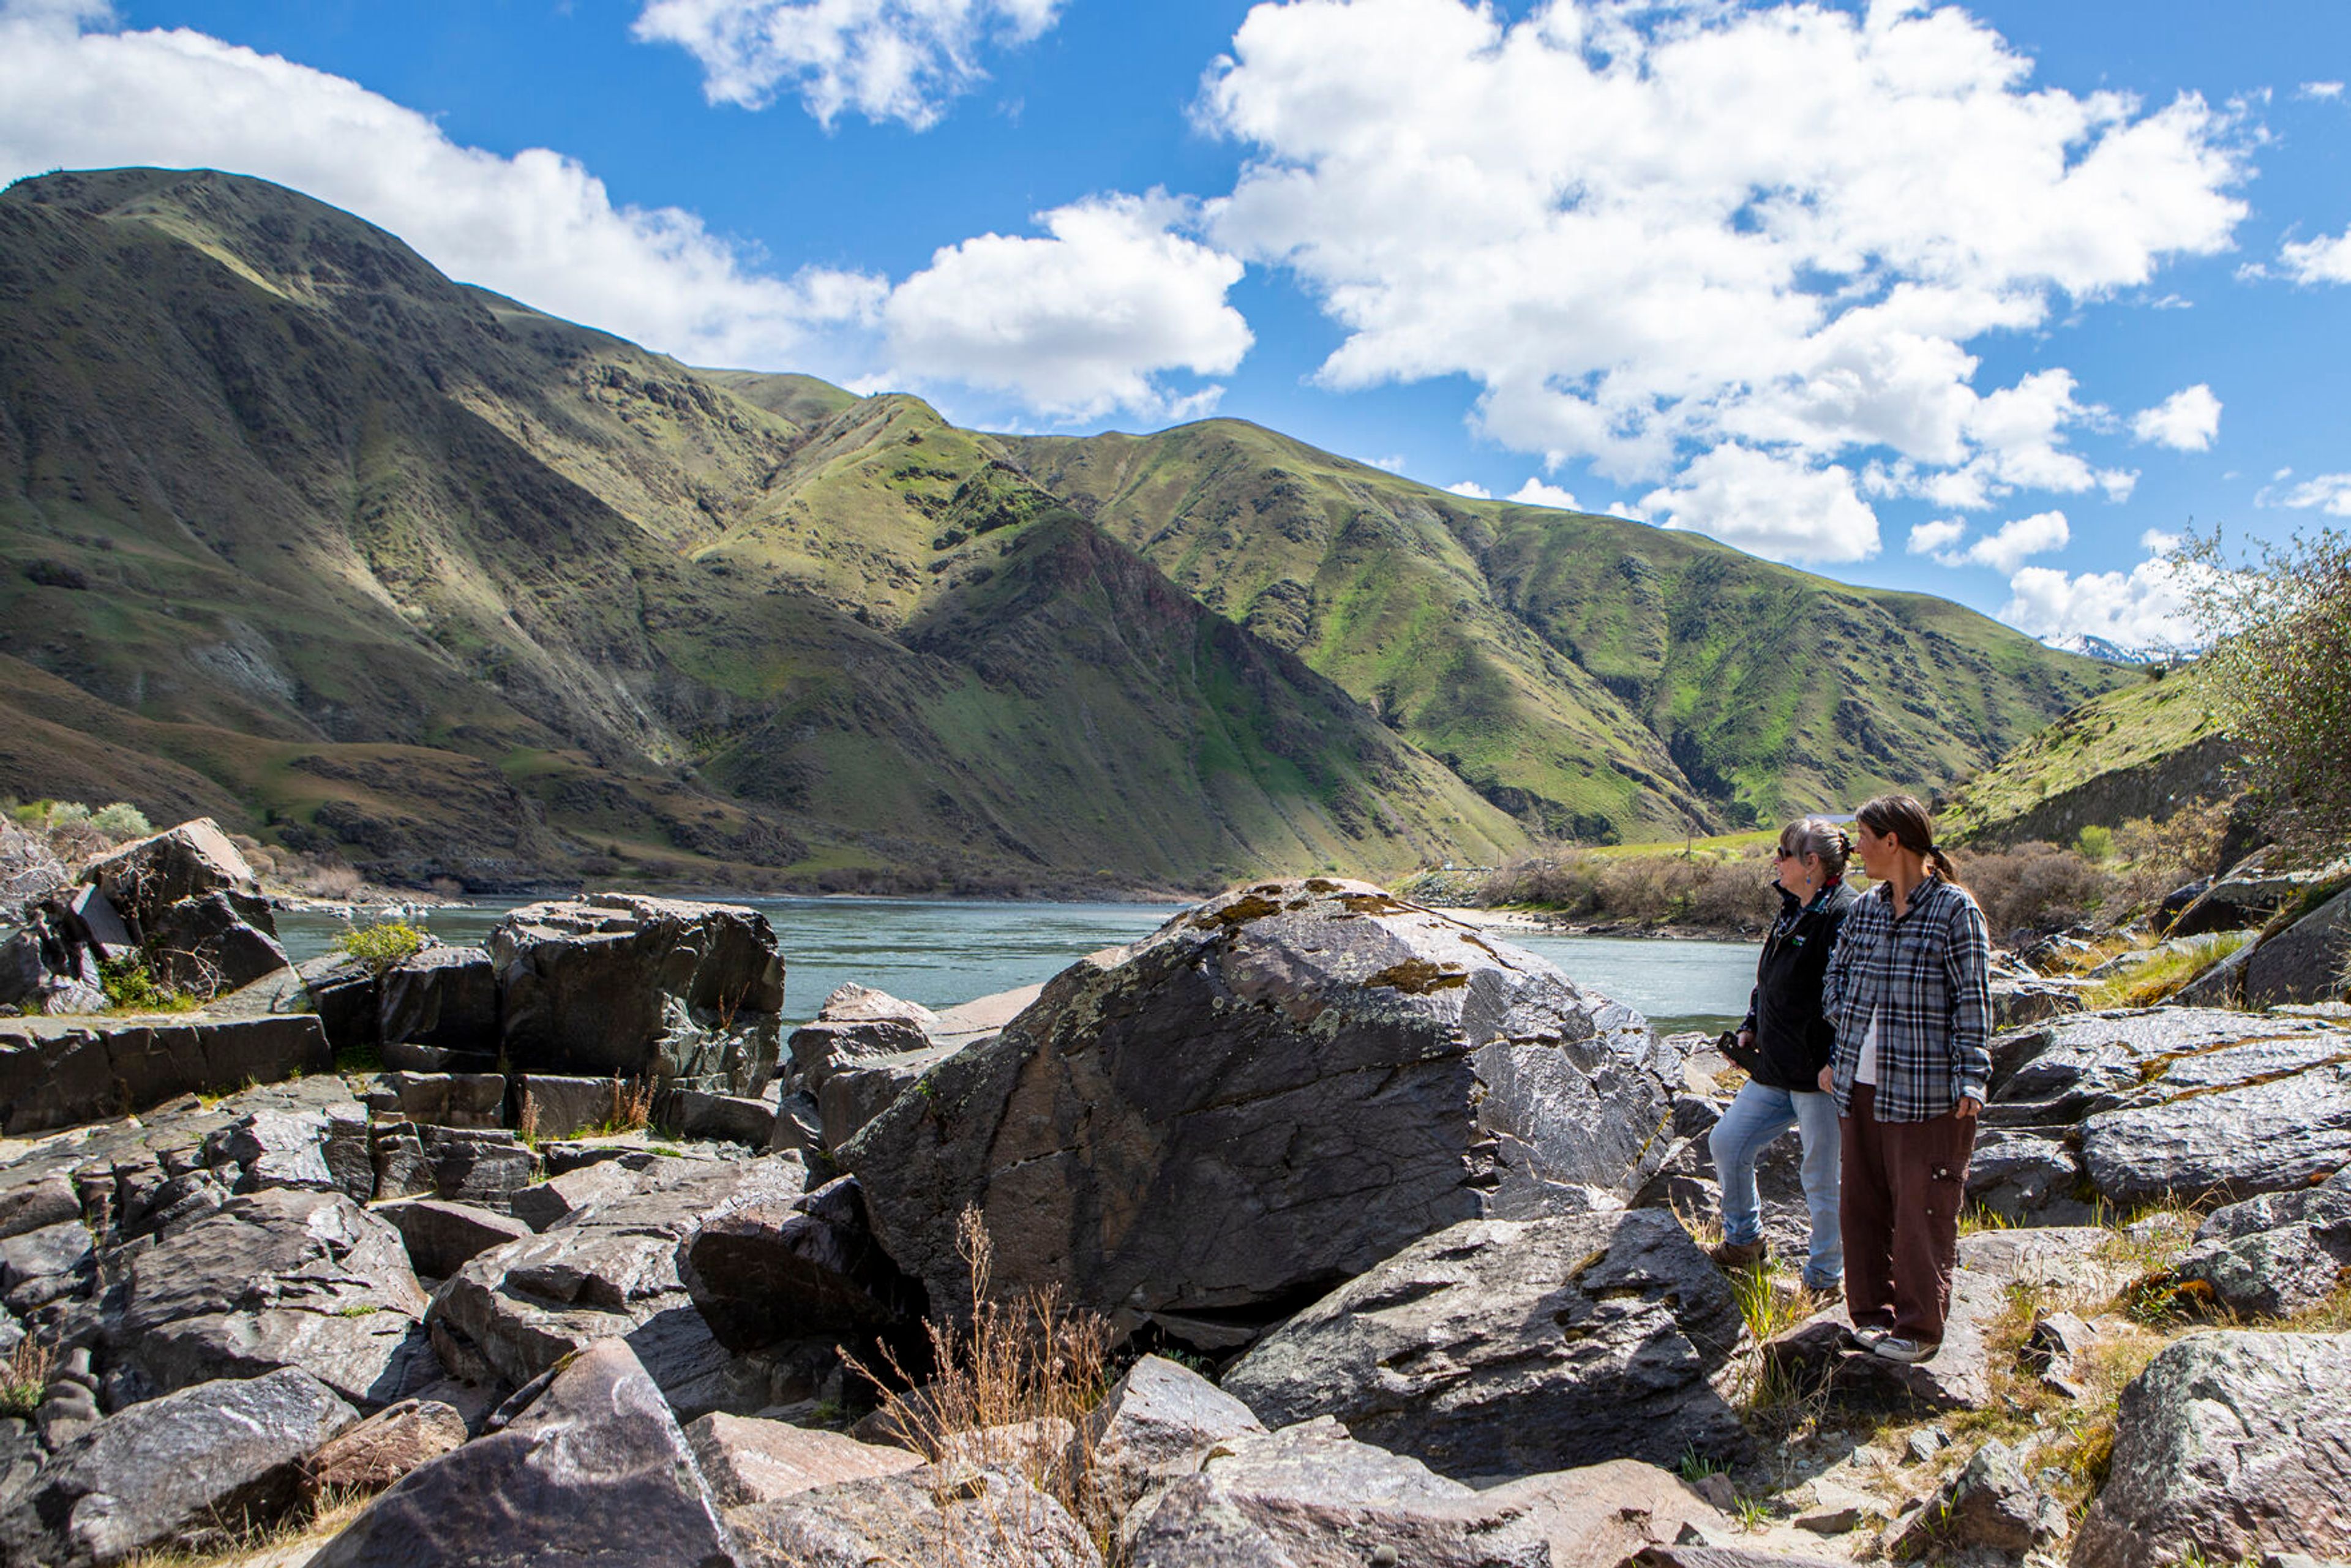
[[941, 952]]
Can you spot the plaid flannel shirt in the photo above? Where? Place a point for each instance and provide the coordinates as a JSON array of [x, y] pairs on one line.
[[1928, 978]]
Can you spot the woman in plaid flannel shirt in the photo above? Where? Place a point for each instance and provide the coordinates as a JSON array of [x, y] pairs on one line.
[[1908, 990]]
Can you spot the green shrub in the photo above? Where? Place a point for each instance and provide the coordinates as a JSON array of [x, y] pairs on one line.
[[2097, 843], [121, 821], [129, 988], [383, 945]]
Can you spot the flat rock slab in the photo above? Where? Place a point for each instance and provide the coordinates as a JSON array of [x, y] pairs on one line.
[[187, 1469], [747, 1460], [274, 1280], [1500, 1348], [2237, 1444], [975, 1518], [2265, 1137], [1276, 1090], [1309, 1494], [609, 1270], [2071, 1260], [58, 1073], [595, 1472], [1597, 1516], [1821, 1353], [442, 1238]]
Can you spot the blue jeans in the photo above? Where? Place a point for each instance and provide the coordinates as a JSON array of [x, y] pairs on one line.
[[1756, 1116]]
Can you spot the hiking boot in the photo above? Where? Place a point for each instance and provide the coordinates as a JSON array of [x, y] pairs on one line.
[[1734, 1256], [1894, 1347]]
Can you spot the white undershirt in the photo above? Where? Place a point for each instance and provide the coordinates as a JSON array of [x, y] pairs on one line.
[[1865, 1070]]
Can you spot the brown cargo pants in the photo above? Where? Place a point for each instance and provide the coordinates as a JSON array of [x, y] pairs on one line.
[[1905, 1183]]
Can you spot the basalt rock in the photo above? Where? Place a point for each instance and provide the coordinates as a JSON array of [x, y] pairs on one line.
[[29, 871], [443, 998], [802, 1267], [278, 1279], [595, 1471], [1264, 1098], [968, 1516], [2234, 1444], [61, 1072], [1309, 1494], [386, 1446], [747, 1460], [609, 1270], [146, 877], [206, 947], [1511, 1347], [1157, 1424], [442, 1238], [188, 1470], [2305, 962], [616, 984]]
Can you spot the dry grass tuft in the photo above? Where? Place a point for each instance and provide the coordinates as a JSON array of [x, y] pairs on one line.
[[632, 1106], [286, 1543], [1013, 1391], [25, 1377]]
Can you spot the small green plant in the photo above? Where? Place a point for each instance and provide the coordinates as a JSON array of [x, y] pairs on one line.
[[382, 944], [359, 1061], [1753, 1512], [357, 1310], [129, 988], [1695, 1467], [25, 1377], [2096, 844]]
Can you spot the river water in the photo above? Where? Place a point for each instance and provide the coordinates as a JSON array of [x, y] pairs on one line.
[[939, 953]]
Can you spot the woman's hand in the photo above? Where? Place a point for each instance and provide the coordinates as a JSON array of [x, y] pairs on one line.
[[1828, 1080], [1968, 1108], [1746, 1040]]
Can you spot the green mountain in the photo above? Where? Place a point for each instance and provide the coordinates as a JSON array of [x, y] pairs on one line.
[[296, 531]]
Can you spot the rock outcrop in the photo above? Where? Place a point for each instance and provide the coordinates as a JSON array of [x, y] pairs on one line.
[[2234, 1444], [1262, 1098], [1501, 1348], [190, 1469], [617, 985], [57, 1073], [595, 1471]]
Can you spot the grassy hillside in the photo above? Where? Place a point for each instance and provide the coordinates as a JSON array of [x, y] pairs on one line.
[[2140, 751], [1595, 676], [295, 529]]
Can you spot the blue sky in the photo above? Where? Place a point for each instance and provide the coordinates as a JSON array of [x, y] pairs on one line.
[[1985, 300]]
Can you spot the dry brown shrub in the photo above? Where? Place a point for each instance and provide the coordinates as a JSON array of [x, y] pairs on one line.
[[1016, 1372], [2035, 887]]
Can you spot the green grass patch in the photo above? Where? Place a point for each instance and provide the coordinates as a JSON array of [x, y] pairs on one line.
[[129, 988]]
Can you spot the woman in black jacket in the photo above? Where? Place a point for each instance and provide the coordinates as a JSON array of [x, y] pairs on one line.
[[1788, 1043]]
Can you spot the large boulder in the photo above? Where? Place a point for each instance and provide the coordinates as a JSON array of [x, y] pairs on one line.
[[29, 871], [1600, 1516], [1309, 1494], [442, 1238], [855, 1024], [1820, 1354], [617, 985], [609, 1270], [797, 1268], [1498, 1348], [596, 1471], [2278, 1254], [207, 945], [445, 998], [2260, 1135], [281, 1277], [1268, 1095], [147, 876], [386, 1446], [312, 1149], [192, 1468], [2233, 1445], [2306, 962]]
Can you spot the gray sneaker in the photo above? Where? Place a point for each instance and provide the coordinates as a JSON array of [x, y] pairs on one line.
[[1894, 1347], [1868, 1334]]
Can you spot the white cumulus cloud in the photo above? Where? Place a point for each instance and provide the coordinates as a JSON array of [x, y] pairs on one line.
[[885, 59], [2006, 548], [1078, 322], [1472, 489], [1769, 504], [1932, 538], [2322, 260], [536, 226], [2328, 493], [1646, 231], [2320, 89], [1535, 493], [2147, 607], [2188, 421]]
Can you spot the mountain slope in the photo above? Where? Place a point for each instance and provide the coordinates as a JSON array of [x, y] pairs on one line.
[[1588, 672], [382, 560]]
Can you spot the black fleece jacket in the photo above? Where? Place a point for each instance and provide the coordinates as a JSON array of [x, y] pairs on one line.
[[1784, 1009]]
